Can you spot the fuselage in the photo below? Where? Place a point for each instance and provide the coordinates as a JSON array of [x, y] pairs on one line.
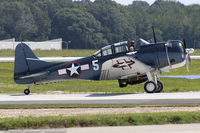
[[111, 63]]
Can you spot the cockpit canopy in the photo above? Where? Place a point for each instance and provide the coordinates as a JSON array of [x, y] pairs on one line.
[[171, 43], [115, 48]]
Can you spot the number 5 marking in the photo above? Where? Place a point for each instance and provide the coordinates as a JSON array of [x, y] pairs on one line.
[[95, 65]]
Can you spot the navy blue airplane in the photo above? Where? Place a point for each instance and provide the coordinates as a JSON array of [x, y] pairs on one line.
[[112, 62]]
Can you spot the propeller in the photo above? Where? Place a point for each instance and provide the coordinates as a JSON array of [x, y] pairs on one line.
[[187, 55], [187, 62], [154, 35], [156, 49], [168, 60], [184, 44]]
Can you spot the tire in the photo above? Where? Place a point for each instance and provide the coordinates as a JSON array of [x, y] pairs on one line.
[[121, 84], [150, 87], [159, 87], [26, 91]]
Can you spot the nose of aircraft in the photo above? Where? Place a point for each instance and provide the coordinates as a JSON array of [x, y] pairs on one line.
[[176, 53], [185, 52]]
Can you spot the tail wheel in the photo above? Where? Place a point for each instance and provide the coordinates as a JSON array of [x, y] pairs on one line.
[[159, 87], [26, 91], [150, 87]]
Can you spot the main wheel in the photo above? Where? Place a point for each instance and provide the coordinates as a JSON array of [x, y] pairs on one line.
[[150, 87], [122, 84], [159, 87], [26, 91]]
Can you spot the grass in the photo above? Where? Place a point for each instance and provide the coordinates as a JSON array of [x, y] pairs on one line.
[[46, 53], [51, 106], [196, 52], [8, 86], [99, 120]]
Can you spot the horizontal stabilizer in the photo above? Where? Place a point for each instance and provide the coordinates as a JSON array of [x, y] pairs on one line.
[[34, 75]]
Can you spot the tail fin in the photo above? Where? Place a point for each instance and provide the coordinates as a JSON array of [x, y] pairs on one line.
[[26, 62]]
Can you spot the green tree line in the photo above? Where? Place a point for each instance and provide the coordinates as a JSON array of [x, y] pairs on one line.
[[95, 24]]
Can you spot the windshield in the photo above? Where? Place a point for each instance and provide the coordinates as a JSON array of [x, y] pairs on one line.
[[120, 47], [97, 54], [106, 50]]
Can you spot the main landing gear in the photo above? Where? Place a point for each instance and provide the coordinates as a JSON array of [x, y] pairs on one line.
[[153, 86], [27, 91]]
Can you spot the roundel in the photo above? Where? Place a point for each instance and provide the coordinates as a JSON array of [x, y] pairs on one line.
[[73, 69]]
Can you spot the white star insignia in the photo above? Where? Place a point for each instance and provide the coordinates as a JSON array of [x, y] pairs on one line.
[[73, 69]]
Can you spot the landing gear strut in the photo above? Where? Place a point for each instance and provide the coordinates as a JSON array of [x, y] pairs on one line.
[[27, 91], [151, 86], [159, 87]]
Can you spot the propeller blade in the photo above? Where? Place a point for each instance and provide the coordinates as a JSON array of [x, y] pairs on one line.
[[187, 62], [184, 43], [189, 59], [156, 49], [154, 35], [167, 54], [168, 60]]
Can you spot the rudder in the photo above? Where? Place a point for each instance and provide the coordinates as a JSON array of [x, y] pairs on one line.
[[26, 62], [22, 52]]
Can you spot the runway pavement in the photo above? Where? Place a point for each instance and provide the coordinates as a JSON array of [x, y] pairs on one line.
[[142, 98], [184, 128]]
